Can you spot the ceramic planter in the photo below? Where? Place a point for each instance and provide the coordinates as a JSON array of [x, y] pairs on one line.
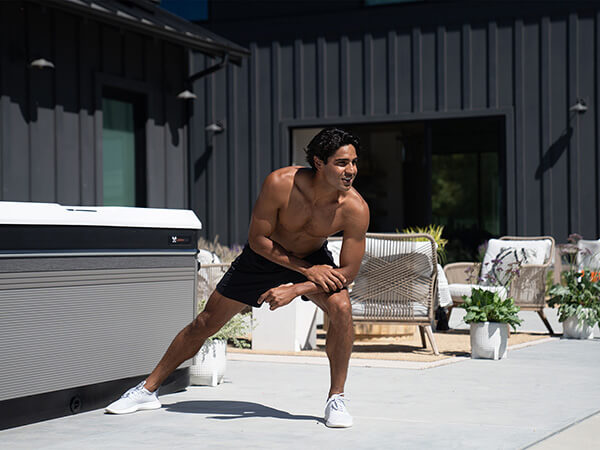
[[574, 330], [489, 340], [208, 366]]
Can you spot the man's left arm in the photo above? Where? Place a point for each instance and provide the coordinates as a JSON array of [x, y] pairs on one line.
[[353, 249]]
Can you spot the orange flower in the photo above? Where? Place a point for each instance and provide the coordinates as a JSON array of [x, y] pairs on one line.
[[594, 276]]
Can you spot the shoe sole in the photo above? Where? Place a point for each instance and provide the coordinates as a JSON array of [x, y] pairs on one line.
[[338, 425], [142, 407]]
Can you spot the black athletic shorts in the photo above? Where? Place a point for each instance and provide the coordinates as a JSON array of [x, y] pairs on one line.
[[251, 275]]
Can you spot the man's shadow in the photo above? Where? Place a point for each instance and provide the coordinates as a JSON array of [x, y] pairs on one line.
[[224, 410]]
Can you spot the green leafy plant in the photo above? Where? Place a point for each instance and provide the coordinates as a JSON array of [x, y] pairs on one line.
[[234, 330], [579, 296], [488, 306], [435, 231]]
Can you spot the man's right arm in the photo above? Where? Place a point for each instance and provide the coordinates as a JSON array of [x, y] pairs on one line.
[[272, 197]]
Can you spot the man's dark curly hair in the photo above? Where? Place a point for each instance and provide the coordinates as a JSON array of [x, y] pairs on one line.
[[327, 142]]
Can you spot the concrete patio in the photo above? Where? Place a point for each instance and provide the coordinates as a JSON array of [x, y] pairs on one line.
[[536, 392]]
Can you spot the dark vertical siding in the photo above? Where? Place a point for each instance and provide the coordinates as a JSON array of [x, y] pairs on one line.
[[528, 64], [42, 126], [50, 121], [479, 61], [156, 131], [332, 88], [586, 88], [66, 111], [428, 70], [559, 130], [15, 107]]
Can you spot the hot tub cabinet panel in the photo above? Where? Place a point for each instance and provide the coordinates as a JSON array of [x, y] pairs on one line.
[[92, 309]]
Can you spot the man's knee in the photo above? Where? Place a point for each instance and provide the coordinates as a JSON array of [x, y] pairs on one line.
[[204, 326], [339, 307]]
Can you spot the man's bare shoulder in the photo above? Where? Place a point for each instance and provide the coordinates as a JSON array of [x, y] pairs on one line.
[[281, 179], [356, 210], [355, 203]]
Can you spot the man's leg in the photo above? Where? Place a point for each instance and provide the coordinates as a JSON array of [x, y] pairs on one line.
[[340, 336], [187, 343]]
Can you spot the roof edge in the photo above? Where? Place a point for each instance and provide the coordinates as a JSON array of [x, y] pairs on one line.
[[214, 48]]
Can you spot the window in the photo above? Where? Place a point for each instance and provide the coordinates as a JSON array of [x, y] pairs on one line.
[[444, 172], [123, 151]]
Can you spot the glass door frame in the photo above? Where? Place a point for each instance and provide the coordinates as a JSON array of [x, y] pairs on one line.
[[507, 159]]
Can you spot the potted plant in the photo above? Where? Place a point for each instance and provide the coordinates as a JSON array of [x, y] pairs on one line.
[[578, 302], [489, 316], [577, 296], [209, 364]]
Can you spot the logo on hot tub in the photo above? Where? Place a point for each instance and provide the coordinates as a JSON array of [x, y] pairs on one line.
[[179, 240]]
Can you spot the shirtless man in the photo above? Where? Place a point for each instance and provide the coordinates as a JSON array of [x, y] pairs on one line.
[[286, 256]]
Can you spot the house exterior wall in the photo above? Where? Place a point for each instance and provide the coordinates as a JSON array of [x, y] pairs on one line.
[[527, 62], [51, 120]]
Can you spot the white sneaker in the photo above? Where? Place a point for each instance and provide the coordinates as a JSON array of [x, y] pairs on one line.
[[135, 399], [336, 413]]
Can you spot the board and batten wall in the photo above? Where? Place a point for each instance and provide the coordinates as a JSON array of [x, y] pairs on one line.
[[526, 62], [51, 119]]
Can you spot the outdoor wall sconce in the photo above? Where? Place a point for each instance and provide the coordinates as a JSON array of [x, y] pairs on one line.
[[41, 63], [216, 127], [187, 95], [579, 106]]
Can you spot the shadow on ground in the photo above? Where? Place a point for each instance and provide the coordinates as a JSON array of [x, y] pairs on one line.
[[234, 410], [398, 348]]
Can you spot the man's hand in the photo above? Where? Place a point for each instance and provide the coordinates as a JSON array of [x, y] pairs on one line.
[[326, 277], [278, 296]]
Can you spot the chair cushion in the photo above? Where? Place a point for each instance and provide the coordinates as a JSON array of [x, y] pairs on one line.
[[381, 309], [335, 247], [501, 253], [444, 297], [458, 289], [589, 258]]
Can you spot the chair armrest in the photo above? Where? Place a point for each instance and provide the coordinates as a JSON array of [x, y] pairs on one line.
[[458, 272]]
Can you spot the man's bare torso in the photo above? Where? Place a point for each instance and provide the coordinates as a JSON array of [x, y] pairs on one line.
[[304, 221]]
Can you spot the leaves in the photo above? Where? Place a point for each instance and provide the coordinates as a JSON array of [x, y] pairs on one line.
[[488, 306], [435, 231], [580, 297]]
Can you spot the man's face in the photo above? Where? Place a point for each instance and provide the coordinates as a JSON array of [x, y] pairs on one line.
[[340, 169]]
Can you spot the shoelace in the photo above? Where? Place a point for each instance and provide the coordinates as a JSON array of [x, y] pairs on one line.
[[135, 390], [338, 402]]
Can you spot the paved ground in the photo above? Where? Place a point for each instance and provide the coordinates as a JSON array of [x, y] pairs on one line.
[[513, 403]]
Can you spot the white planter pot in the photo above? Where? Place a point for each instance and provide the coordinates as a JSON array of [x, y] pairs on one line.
[[574, 330], [208, 366], [489, 340]]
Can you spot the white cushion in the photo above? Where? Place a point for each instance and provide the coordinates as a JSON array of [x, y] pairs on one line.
[[459, 289], [359, 309], [444, 297], [534, 252], [589, 258], [335, 247]]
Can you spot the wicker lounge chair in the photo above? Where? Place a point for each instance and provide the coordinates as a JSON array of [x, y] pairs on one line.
[[396, 282], [528, 289]]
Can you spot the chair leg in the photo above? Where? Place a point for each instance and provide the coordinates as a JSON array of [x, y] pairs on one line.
[[422, 332], [449, 312], [429, 332], [545, 320]]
